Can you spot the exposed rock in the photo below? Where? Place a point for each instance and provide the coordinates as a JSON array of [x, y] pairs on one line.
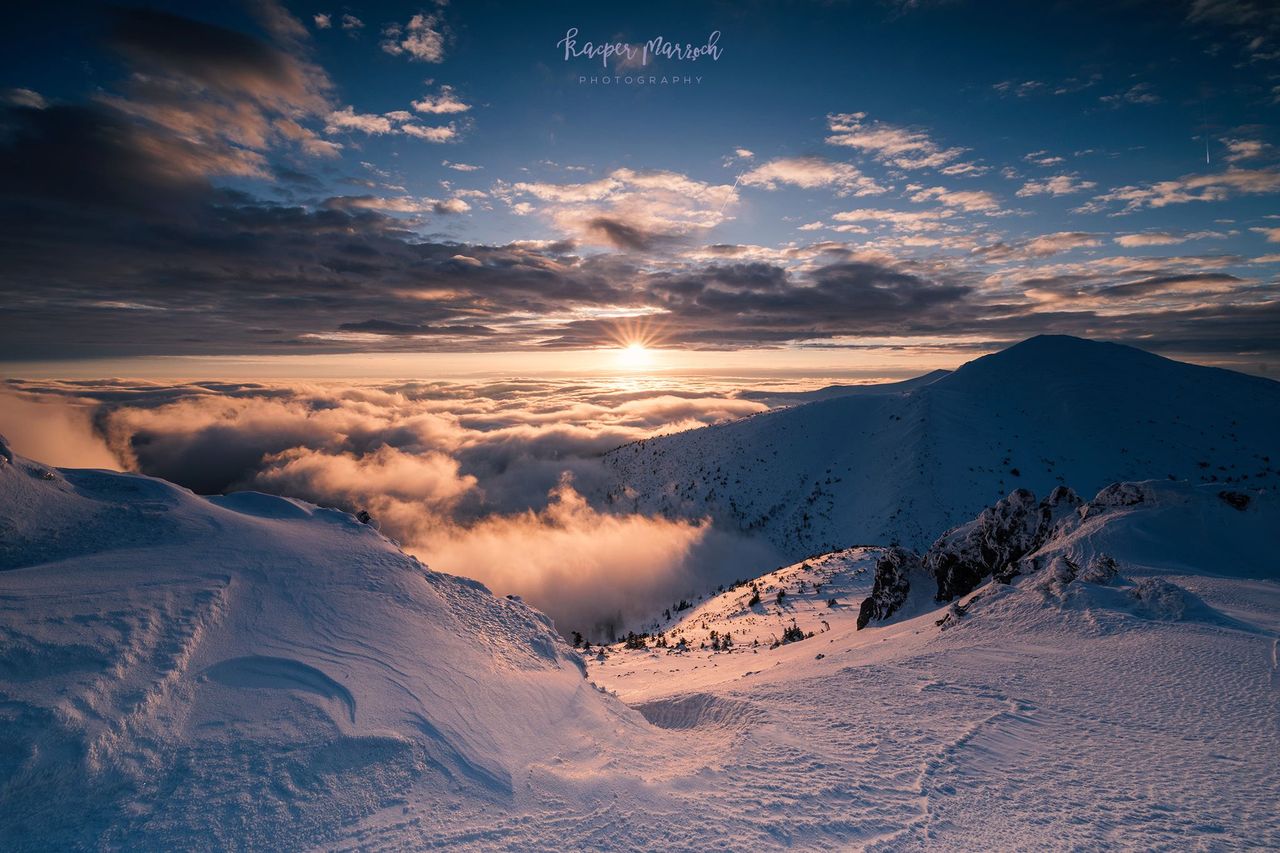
[[1117, 494], [951, 618], [994, 542], [892, 585], [1235, 500]]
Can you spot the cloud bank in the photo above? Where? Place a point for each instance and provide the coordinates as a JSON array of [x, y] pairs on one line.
[[498, 481]]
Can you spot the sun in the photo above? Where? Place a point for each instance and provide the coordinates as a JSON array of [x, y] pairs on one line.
[[635, 356]]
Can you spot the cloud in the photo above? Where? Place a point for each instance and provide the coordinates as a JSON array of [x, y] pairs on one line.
[[1165, 238], [422, 39], [24, 98], [225, 97], [54, 431], [428, 479], [898, 146], [1139, 93], [1055, 186], [460, 167], [1043, 158], [442, 133], [627, 209], [809, 173], [1189, 188], [1020, 89], [595, 572], [1061, 241], [444, 102], [399, 204], [1245, 149], [972, 201], [396, 122], [1045, 245], [500, 482], [348, 119], [322, 21], [1272, 234], [1028, 88], [902, 220], [351, 22]]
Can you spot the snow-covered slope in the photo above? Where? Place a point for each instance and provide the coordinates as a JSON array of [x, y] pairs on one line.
[[1120, 694], [250, 671], [904, 466], [778, 399]]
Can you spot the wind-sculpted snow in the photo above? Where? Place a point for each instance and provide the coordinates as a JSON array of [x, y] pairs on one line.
[[258, 673], [902, 466], [251, 671]]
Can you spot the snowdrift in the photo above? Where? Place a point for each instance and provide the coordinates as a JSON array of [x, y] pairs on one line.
[[252, 671]]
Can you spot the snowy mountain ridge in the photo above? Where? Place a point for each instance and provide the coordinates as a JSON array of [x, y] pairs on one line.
[[900, 467]]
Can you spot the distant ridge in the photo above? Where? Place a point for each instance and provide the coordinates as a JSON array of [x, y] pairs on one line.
[[903, 465], [795, 398]]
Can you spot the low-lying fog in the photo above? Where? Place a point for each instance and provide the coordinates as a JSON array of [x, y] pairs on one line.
[[493, 480]]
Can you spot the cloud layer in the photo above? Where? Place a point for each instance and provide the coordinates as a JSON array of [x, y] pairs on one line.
[[500, 481]]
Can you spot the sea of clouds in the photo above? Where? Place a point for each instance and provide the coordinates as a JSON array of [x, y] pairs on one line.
[[496, 480]]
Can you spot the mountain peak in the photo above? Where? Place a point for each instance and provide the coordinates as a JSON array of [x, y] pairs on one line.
[[1069, 347]]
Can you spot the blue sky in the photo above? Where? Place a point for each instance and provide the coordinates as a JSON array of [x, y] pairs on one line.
[[843, 176]]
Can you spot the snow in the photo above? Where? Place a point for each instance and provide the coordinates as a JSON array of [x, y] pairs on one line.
[[251, 671], [1139, 713], [902, 466]]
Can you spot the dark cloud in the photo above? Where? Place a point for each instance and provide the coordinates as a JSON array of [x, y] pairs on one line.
[[119, 237], [390, 327], [624, 235], [212, 56]]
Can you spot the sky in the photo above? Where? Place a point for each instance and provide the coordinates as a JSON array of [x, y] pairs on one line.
[[867, 188]]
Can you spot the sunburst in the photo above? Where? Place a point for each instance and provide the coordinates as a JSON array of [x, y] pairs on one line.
[[636, 338]]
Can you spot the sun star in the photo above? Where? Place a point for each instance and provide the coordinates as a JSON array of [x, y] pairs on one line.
[[634, 356]]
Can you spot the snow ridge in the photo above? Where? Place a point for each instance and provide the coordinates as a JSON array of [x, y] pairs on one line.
[[899, 466]]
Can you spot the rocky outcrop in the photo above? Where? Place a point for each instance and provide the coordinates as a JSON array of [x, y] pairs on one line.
[[1235, 500], [990, 546], [993, 543], [1117, 494], [892, 585]]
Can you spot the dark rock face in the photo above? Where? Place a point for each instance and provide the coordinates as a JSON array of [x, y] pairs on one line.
[[995, 545], [994, 542], [1235, 500], [891, 586]]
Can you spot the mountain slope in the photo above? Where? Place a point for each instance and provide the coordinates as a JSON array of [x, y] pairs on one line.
[[875, 469], [1068, 710], [253, 671]]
